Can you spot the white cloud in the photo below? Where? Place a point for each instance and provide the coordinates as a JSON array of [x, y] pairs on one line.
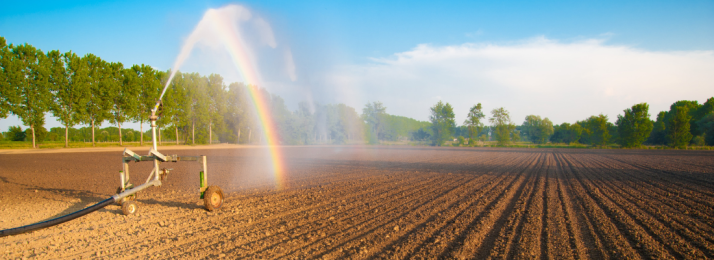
[[563, 81]]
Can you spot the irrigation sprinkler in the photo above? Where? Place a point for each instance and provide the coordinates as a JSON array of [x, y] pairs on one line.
[[126, 193]]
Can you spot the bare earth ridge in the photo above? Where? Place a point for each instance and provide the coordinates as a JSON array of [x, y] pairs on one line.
[[370, 202]]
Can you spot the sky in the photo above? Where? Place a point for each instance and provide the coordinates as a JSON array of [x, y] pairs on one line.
[[565, 60]]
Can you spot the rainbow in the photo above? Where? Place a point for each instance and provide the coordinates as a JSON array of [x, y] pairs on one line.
[[240, 57]]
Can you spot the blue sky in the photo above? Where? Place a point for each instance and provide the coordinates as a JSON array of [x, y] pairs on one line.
[[364, 42]]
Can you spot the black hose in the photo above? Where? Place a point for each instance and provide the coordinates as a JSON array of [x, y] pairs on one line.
[[57, 220]]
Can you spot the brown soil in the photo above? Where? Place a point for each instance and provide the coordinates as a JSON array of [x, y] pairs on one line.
[[372, 202]]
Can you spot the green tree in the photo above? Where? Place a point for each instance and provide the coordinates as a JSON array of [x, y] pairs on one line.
[[634, 126], [502, 125], [15, 133], [351, 123], [658, 135], [29, 74], [173, 113], [566, 133], [150, 90], [706, 127], [473, 121], [40, 132], [678, 132], [239, 111], [216, 104], [98, 103], [69, 89], [306, 122], [516, 136], [693, 107], [596, 130], [8, 92], [536, 129], [373, 115], [197, 105], [442, 121], [701, 112], [124, 93]]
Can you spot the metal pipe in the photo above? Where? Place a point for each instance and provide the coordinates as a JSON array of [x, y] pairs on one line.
[[156, 169], [121, 177], [136, 189], [151, 174], [153, 131]]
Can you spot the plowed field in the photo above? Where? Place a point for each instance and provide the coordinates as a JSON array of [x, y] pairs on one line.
[[372, 202]]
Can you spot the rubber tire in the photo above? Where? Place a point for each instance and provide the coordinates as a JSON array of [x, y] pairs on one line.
[[129, 207], [213, 198]]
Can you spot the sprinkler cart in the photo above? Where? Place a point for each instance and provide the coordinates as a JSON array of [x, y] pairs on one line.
[[126, 193]]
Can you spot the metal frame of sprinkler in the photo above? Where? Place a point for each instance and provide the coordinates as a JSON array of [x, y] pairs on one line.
[[126, 193]]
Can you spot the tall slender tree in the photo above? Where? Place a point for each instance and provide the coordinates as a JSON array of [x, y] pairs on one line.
[[216, 105], [8, 92], [501, 122], [169, 103], [121, 83], [442, 121], [69, 91], [30, 75], [150, 91], [237, 109], [473, 121], [175, 107], [98, 103], [373, 115]]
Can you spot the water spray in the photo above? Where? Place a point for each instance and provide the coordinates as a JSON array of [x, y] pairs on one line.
[[126, 193]]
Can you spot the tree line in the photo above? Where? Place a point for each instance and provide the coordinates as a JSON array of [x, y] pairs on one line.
[[201, 109], [196, 108], [686, 123]]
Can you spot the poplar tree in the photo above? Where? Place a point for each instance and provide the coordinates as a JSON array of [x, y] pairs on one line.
[[197, 104], [235, 108], [124, 93], [473, 121], [69, 91], [150, 91], [29, 74], [98, 103], [442, 121], [8, 92], [216, 104], [501, 122], [174, 104], [373, 115]]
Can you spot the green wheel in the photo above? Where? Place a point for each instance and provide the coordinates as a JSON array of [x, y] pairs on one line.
[[213, 198], [129, 207]]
